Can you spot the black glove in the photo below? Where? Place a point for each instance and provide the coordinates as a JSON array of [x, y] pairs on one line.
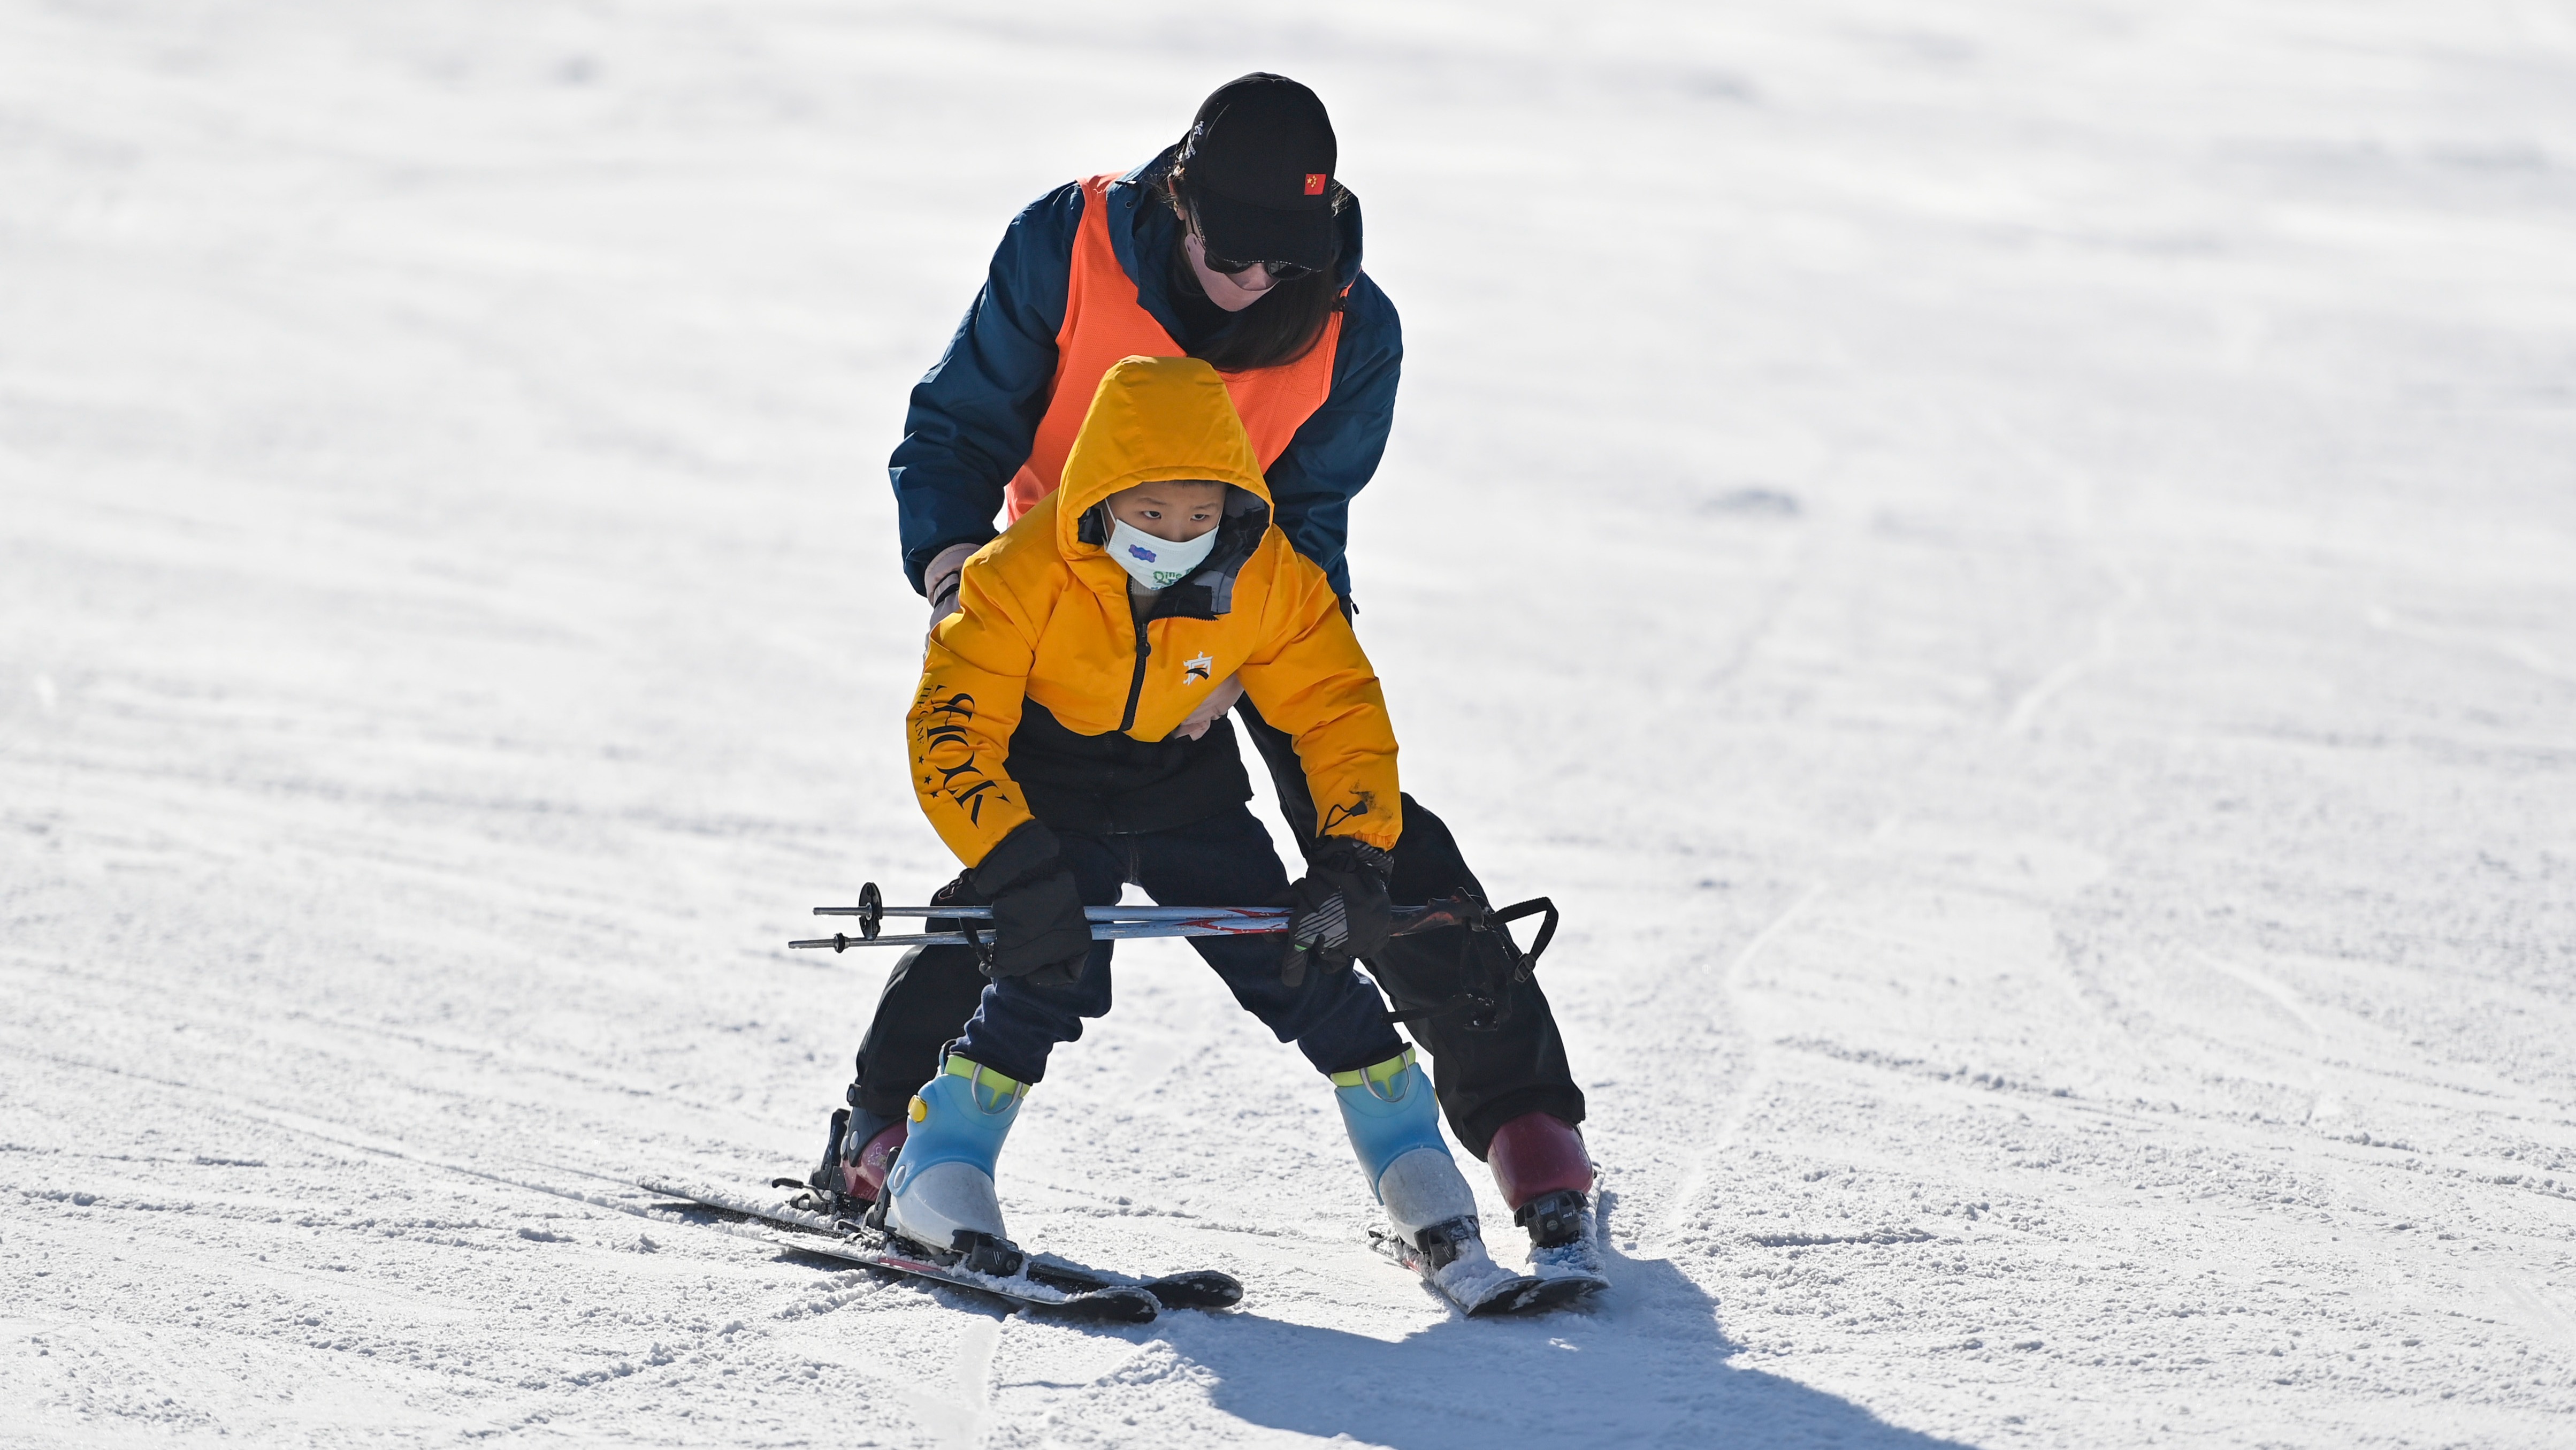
[[1341, 909], [1038, 928]]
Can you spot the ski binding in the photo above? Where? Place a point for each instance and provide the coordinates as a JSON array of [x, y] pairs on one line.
[[1453, 1260]]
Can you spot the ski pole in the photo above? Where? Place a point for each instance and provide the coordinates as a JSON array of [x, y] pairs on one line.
[[1100, 931], [1121, 923], [1090, 913], [1483, 1000]]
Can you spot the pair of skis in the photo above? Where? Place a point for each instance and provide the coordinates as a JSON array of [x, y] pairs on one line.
[[1045, 1284], [1474, 1282]]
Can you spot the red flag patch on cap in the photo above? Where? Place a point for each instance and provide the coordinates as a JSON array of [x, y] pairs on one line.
[[1315, 183]]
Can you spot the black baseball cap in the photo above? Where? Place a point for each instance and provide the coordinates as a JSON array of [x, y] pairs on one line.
[[1259, 162]]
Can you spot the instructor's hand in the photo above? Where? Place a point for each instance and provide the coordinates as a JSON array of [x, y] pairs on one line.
[[1341, 909], [1039, 931], [939, 581]]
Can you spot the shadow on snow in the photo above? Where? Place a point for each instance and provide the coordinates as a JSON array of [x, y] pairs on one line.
[[1645, 1367]]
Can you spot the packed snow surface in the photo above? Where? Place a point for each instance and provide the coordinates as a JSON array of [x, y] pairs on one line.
[[2011, 566]]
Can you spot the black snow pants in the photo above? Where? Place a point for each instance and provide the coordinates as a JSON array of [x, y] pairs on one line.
[[1483, 1079]]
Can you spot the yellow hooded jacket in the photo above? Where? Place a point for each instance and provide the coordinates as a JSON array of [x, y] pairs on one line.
[[1044, 615]]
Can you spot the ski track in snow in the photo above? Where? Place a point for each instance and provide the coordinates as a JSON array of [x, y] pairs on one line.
[[2011, 568]]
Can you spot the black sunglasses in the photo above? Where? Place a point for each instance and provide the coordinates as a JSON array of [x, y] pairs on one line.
[[1279, 271]]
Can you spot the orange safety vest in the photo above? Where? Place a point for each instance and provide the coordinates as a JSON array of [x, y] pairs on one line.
[[1104, 322]]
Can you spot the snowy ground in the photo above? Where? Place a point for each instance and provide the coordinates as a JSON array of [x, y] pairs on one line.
[[2012, 566]]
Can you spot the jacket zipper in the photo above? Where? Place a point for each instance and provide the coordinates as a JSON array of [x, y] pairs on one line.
[[1136, 686]]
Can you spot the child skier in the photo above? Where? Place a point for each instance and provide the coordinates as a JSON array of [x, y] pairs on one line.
[[1043, 750]]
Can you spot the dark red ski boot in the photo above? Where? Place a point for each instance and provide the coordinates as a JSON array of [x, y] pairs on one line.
[[1546, 1176], [855, 1161]]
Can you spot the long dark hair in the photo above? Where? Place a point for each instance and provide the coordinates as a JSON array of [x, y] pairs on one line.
[[1287, 321]]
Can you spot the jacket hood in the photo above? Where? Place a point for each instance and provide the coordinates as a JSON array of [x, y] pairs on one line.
[[1152, 420]]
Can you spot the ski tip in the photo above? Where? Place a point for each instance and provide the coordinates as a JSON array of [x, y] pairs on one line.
[[1562, 1292], [1118, 1304], [1107, 1306], [1199, 1289], [1503, 1300]]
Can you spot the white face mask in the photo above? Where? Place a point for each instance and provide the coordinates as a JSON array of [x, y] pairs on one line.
[[1152, 562]]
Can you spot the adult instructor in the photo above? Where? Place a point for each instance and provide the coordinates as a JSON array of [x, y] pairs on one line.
[[1237, 246]]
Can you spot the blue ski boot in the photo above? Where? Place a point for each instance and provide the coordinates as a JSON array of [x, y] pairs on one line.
[[1394, 1125], [940, 1195]]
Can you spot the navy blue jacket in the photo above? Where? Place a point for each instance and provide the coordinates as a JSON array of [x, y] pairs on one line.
[[974, 416]]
